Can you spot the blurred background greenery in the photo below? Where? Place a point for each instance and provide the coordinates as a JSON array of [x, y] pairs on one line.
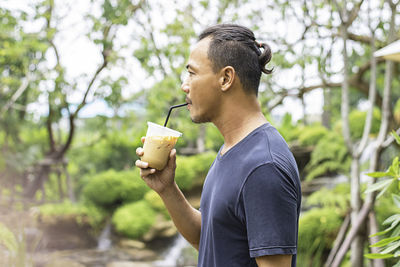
[[71, 119]]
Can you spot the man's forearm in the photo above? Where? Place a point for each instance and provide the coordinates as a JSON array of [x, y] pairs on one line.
[[186, 218]]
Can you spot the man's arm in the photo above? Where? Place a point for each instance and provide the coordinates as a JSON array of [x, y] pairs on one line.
[[186, 218], [274, 261]]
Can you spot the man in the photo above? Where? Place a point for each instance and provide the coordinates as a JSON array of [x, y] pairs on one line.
[[251, 197]]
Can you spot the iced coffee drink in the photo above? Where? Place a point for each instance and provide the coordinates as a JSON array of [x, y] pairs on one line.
[[158, 145]]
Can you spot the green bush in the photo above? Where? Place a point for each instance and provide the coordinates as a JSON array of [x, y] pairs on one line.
[[81, 213], [329, 157], [155, 201], [116, 150], [214, 138], [287, 129], [336, 198], [111, 188], [318, 228], [191, 170], [311, 135], [134, 220], [357, 122]]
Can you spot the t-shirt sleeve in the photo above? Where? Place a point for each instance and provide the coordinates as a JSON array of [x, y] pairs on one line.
[[268, 207]]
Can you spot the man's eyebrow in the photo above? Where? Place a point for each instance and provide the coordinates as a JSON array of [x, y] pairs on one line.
[[188, 66]]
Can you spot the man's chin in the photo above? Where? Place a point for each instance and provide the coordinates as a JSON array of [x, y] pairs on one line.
[[199, 119]]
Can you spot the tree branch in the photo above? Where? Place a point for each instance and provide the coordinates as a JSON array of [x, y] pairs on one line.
[[21, 89]]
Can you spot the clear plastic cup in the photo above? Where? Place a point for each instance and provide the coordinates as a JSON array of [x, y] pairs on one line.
[[158, 145]]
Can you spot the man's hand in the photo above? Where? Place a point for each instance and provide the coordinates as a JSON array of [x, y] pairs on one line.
[[187, 219], [157, 180]]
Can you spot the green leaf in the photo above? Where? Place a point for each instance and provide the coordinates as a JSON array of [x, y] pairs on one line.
[[378, 186], [398, 263], [396, 254], [396, 200], [391, 247], [396, 137], [382, 232], [395, 166], [394, 220], [385, 241], [378, 256], [8, 238], [377, 174]]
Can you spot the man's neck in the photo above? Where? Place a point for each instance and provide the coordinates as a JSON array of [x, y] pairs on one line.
[[238, 122]]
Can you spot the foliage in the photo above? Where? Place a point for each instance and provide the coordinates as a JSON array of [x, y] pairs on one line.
[[110, 189], [82, 213], [134, 220], [357, 121], [214, 138], [15, 254], [192, 169], [319, 224], [116, 149], [311, 135], [330, 156], [336, 198], [287, 129], [318, 228], [155, 202], [390, 179]]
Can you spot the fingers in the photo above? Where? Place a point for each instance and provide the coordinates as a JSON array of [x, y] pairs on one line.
[[146, 172], [141, 164], [139, 151], [144, 168]]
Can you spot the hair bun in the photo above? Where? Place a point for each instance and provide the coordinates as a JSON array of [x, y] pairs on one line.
[[265, 57]]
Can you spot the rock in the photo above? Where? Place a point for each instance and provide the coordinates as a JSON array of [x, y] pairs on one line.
[[140, 254], [129, 243], [128, 264], [160, 229], [63, 263]]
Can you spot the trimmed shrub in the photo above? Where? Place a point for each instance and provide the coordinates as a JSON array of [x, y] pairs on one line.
[[318, 228], [111, 188], [192, 170], [155, 201], [329, 157], [81, 213], [311, 135], [134, 220], [357, 122]]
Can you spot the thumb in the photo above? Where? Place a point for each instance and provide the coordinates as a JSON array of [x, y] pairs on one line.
[[172, 159]]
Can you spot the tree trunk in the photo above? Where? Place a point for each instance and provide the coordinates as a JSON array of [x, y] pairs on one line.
[[373, 228], [357, 247], [60, 185], [70, 187], [326, 113]]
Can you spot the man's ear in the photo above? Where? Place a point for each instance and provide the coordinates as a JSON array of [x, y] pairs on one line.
[[227, 78]]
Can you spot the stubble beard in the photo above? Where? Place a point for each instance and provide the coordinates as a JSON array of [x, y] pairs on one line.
[[200, 119]]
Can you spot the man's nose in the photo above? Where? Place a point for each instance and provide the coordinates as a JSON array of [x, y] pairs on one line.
[[185, 87]]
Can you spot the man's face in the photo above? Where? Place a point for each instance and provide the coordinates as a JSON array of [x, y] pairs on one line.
[[201, 85]]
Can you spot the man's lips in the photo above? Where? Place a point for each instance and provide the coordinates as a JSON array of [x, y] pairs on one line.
[[188, 101]]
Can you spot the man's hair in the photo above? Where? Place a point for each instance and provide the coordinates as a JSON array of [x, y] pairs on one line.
[[234, 45]]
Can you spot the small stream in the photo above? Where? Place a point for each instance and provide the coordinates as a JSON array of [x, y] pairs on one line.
[[175, 256]]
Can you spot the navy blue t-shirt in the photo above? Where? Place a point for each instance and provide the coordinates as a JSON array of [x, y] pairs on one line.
[[250, 202]]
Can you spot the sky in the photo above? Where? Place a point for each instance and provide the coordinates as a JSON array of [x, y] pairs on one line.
[[81, 58]]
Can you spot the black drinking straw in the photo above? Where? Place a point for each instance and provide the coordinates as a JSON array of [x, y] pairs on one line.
[[170, 109]]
